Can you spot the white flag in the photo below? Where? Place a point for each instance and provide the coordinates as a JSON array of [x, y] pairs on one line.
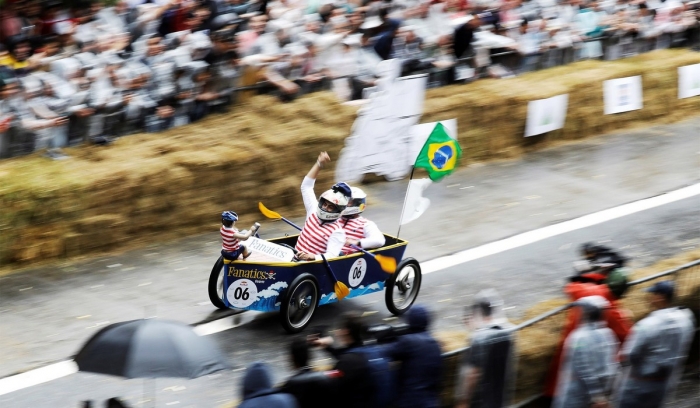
[[415, 204]]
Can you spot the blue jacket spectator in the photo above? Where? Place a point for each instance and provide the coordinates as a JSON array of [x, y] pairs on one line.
[[421, 364], [258, 391]]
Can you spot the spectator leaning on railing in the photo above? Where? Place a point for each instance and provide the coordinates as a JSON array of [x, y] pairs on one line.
[[654, 353], [490, 358]]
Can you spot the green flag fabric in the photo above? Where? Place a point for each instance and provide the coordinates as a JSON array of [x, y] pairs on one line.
[[439, 155]]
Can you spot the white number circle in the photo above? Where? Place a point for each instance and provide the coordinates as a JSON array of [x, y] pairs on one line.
[[242, 293], [357, 272]]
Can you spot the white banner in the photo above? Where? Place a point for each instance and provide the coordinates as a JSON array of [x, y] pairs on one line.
[[688, 81], [415, 204], [284, 254], [380, 136], [545, 115], [622, 94]]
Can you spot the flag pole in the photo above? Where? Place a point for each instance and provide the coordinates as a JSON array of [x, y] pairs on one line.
[[413, 168]]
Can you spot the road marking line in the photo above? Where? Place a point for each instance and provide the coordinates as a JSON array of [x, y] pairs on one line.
[[66, 368], [38, 376], [530, 237], [226, 323]]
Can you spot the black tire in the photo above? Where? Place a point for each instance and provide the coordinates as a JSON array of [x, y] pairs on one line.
[[216, 286], [303, 291], [405, 283]]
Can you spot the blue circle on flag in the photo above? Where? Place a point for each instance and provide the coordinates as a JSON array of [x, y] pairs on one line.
[[442, 156]]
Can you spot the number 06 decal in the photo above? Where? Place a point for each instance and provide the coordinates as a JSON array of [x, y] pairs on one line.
[[357, 272], [242, 293]]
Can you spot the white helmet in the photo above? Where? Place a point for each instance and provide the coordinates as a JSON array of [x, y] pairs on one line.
[[357, 203], [338, 197]]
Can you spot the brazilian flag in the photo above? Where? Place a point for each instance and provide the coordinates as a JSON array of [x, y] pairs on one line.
[[439, 155]]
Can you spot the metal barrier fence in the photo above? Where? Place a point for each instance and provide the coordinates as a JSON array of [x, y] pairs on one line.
[[533, 360], [613, 47]]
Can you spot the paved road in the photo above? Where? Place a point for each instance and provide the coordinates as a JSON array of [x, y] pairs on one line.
[[46, 314]]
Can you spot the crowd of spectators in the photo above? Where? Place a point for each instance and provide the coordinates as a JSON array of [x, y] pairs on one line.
[[403, 367], [83, 71], [604, 360]]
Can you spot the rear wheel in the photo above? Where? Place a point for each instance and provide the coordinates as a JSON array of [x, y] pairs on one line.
[[216, 284], [402, 287], [299, 303]]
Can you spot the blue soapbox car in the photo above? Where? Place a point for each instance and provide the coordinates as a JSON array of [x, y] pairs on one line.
[[296, 289]]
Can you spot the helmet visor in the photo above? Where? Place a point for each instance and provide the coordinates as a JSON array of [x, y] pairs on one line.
[[357, 202], [328, 206]]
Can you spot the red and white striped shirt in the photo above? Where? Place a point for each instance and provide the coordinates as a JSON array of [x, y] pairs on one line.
[[315, 234], [354, 229], [322, 238], [363, 230], [229, 243]]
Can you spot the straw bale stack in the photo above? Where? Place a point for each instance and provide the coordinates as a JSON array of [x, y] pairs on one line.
[[261, 150]]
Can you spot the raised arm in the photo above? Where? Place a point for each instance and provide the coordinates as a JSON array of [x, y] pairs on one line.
[[307, 186], [323, 158]]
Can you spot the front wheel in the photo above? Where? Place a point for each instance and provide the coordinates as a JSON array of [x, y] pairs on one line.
[[216, 284], [402, 287], [299, 303]]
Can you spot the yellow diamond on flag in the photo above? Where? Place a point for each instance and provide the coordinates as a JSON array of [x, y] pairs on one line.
[[443, 156]]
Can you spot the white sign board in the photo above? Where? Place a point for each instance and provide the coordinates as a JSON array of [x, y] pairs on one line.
[[546, 115], [622, 94], [284, 254], [688, 81], [380, 136]]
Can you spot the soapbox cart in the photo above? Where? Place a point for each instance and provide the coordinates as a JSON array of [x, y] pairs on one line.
[[296, 289]]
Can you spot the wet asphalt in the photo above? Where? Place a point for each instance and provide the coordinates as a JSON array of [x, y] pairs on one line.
[[47, 313]]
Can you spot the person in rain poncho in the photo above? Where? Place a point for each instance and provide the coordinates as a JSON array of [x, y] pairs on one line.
[[654, 353], [603, 273], [490, 358], [70, 82], [589, 364], [258, 391]]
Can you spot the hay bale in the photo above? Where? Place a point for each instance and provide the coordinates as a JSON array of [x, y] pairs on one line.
[[194, 171]]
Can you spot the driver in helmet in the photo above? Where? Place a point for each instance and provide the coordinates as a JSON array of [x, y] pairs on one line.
[[322, 234], [231, 247], [359, 231]]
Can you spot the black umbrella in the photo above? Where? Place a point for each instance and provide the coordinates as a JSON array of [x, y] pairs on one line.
[[150, 348]]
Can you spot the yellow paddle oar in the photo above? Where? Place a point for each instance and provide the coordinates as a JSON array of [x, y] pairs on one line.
[[387, 263], [340, 289], [275, 216]]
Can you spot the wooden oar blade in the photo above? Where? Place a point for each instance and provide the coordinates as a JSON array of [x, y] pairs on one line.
[[387, 263], [267, 212], [341, 290]]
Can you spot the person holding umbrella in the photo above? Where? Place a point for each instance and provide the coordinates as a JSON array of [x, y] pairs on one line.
[[150, 348]]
